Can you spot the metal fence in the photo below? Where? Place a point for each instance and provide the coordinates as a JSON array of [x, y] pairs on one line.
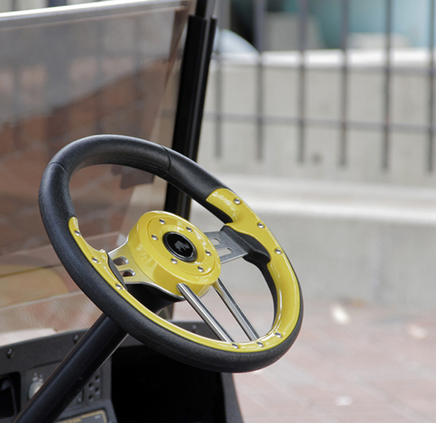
[[343, 123]]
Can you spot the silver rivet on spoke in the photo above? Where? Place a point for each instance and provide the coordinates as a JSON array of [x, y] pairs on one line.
[[278, 251], [174, 261], [260, 344], [189, 229], [260, 225], [237, 201], [119, 286], [77, 233], [200, 269], [154, 237], [235, 345], [278, 334], [95, 260], [162, 221], [208, 253]]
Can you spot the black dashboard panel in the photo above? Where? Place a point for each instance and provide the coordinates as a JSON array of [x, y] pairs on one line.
[[135, 385], [25, 366]]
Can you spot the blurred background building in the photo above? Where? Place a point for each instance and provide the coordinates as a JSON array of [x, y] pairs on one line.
[[329, 125]]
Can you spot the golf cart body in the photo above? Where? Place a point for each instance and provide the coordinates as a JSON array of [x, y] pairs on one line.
[[136, 68]]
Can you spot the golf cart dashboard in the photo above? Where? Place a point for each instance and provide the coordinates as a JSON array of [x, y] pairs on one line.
[[27, 365], [132, 386]]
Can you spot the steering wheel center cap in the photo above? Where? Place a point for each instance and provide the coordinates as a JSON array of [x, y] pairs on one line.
[[180, 246], [170, 250]]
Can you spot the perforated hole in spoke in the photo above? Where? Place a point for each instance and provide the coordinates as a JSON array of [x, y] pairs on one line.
[[127, 273], [120, 261]]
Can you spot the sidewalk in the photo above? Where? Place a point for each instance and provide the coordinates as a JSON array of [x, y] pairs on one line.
[[352, 363]]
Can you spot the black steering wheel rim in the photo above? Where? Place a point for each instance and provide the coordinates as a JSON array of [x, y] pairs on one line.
[[57, 210]]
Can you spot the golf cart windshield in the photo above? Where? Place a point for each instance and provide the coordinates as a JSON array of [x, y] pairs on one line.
[[66, 73]]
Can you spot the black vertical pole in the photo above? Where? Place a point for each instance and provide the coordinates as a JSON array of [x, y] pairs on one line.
[[302, 29], [219, 89], [193, 80], [431, 99], [387, 86], [258, 22], [345, 18]]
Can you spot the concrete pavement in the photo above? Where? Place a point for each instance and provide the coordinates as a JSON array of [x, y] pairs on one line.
[[377, 366], [352, 363]]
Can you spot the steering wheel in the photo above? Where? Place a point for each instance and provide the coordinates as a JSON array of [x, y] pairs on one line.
[[172, 258]]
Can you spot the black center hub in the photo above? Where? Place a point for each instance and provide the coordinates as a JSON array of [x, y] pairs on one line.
[[180, 246]]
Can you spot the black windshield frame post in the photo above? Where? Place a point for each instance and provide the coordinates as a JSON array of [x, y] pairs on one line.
[[192, 92]]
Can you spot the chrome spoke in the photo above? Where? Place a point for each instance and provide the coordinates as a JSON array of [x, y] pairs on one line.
[[236, 310], [203, 312]]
